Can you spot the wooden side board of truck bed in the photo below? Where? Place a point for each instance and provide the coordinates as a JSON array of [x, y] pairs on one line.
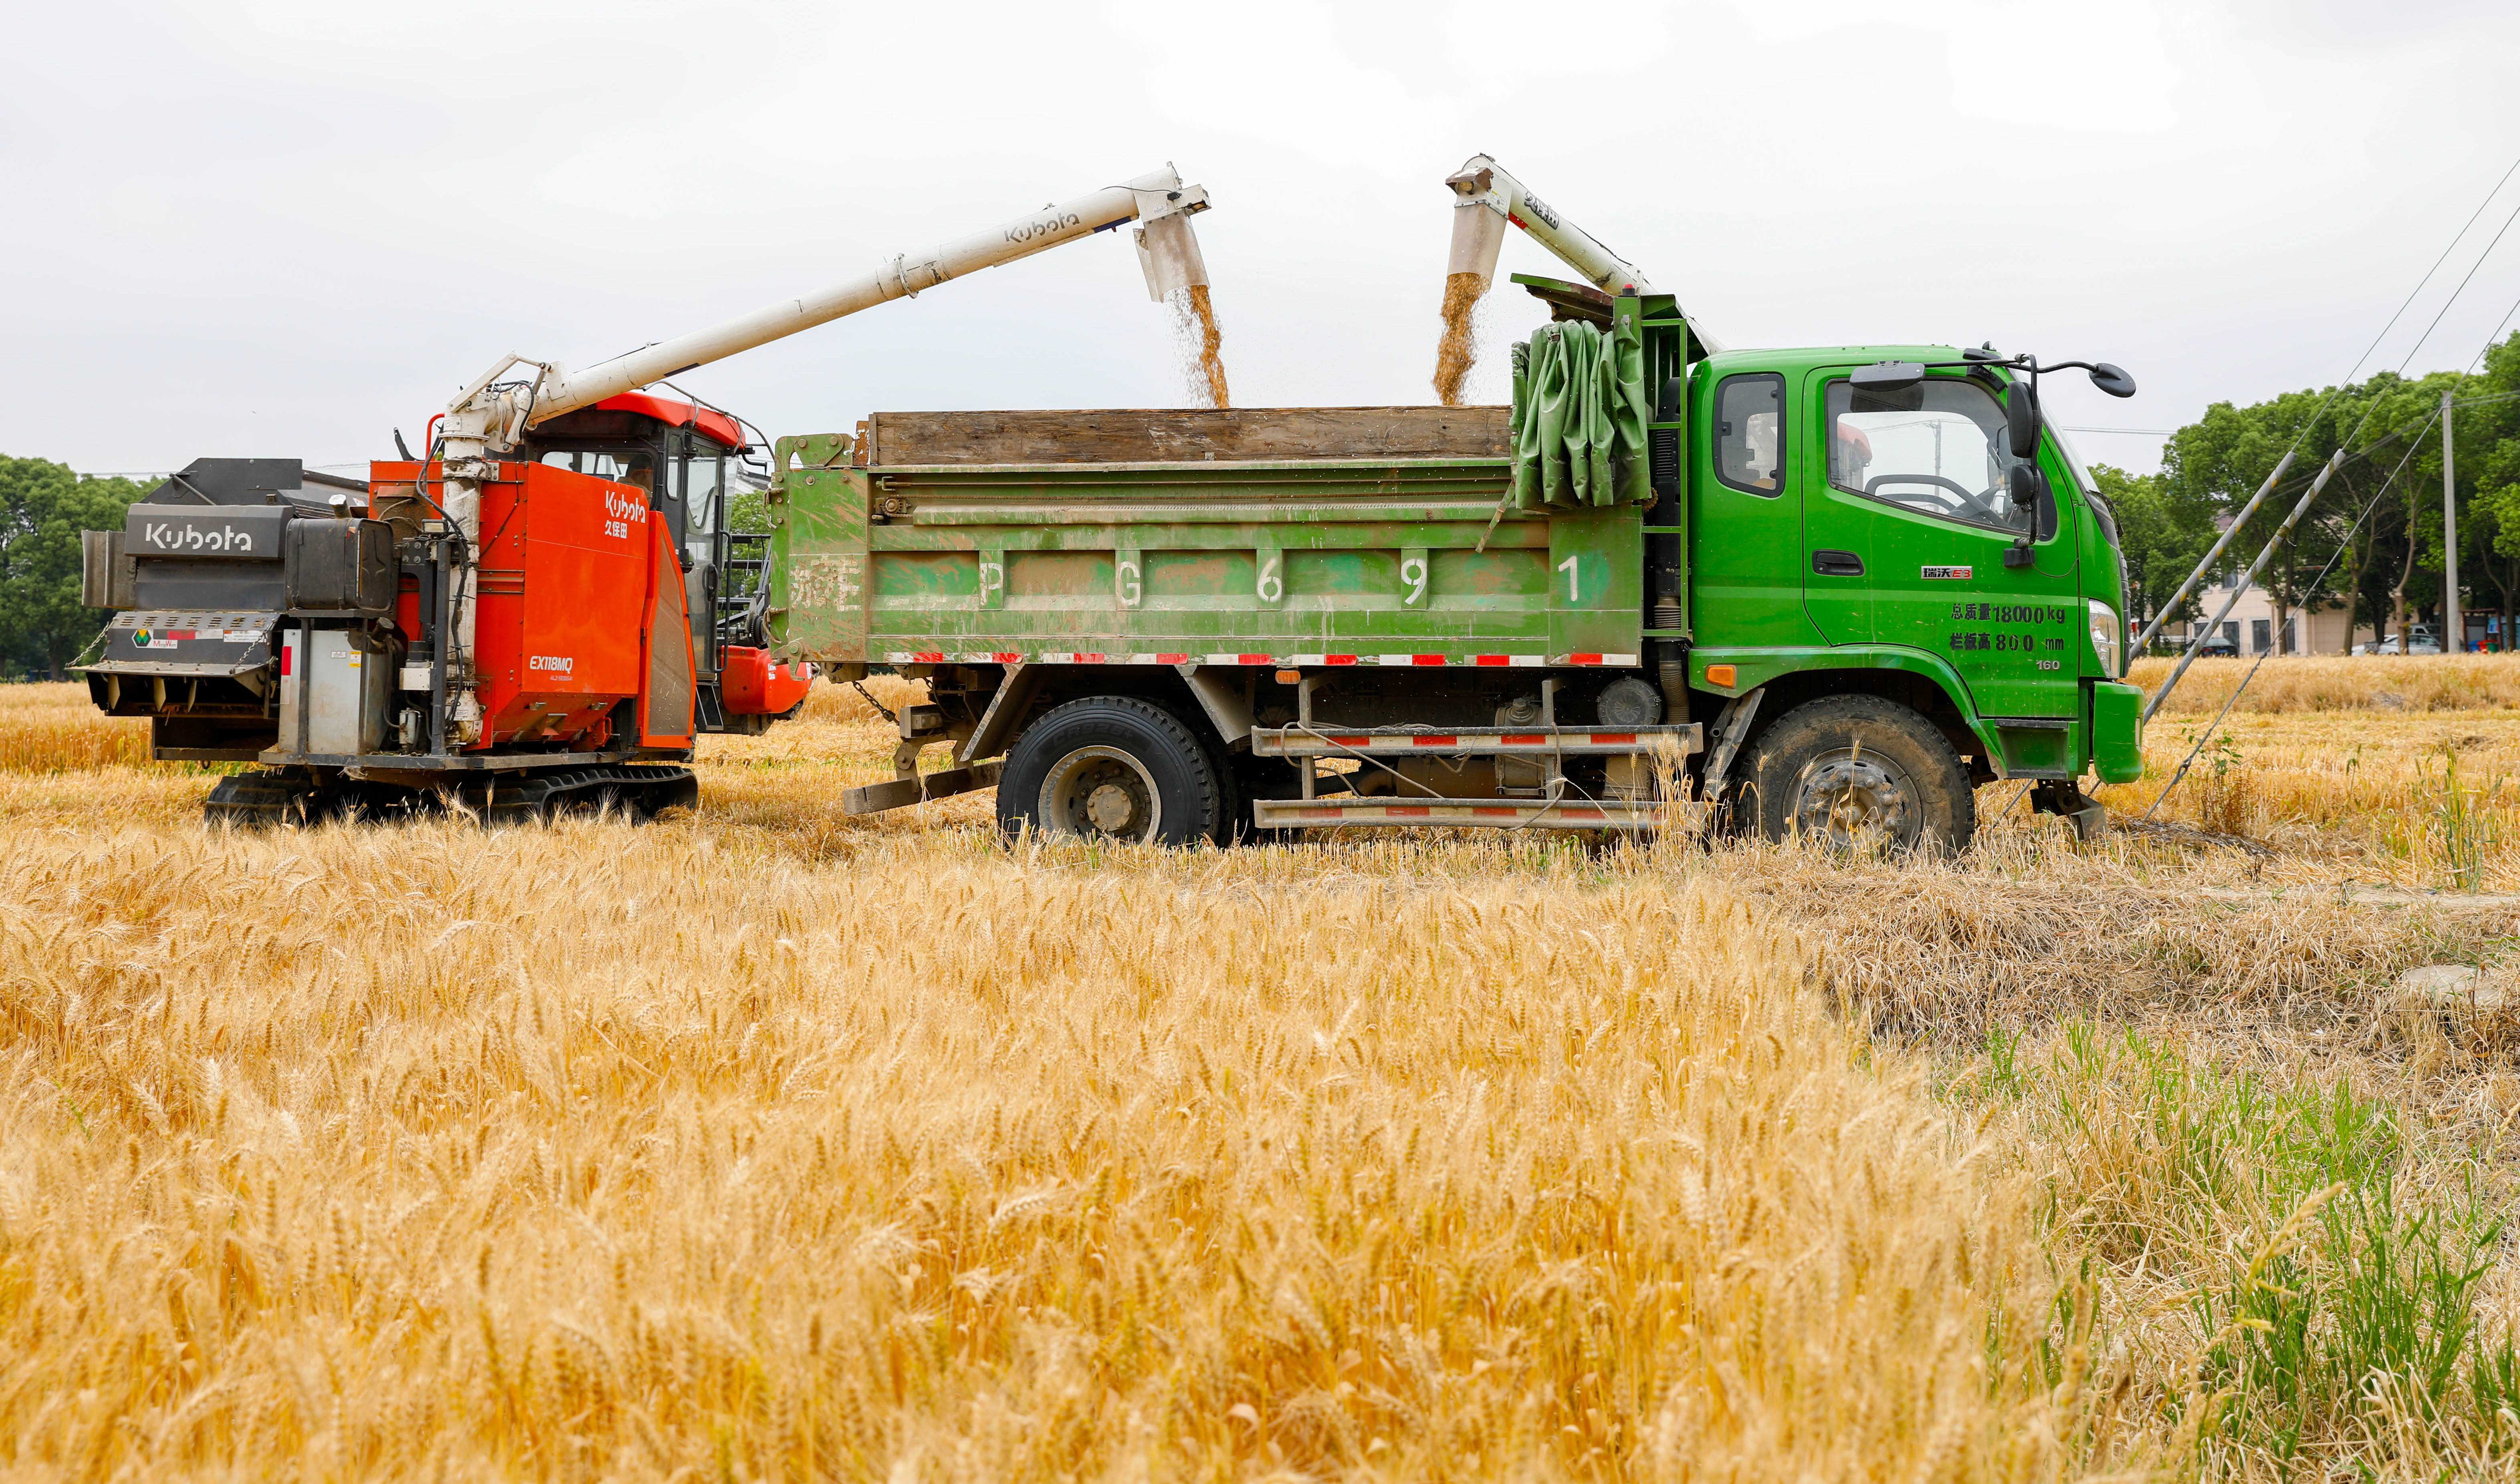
[[1174, 434]]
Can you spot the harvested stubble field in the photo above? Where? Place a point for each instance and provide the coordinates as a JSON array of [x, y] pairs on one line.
[[763, 1143]]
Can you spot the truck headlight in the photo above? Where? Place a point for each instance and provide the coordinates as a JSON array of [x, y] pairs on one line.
[[2105, 638]]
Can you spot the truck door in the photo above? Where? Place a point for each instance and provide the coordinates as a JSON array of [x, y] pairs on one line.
[[1904, 534], [1744, 557]]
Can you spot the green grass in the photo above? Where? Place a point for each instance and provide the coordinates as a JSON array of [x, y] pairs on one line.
[[2465, 829], [2331, 1293]]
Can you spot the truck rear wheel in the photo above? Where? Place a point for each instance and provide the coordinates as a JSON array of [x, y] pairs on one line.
[[1858, 767], [1111, 767]]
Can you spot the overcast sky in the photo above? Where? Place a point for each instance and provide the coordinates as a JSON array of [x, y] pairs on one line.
[[283, 229]]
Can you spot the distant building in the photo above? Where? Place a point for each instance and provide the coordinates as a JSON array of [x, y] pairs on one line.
[[2251, 628]]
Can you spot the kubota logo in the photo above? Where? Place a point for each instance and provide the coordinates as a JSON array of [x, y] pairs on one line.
[[563, 663], [621, 507], [164, 537]]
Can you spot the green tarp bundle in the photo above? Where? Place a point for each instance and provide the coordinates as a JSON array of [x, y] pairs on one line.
[[1579, 416]]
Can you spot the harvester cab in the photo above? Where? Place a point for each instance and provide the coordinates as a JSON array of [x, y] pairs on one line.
[[689, 459]]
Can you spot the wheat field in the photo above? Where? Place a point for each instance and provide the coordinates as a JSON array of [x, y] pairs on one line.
[[764, 1143]]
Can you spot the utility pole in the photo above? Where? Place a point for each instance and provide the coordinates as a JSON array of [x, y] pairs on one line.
[[2248, 580], [2453, 627]]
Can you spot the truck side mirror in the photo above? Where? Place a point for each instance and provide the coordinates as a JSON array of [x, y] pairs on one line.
[[2113, 381], [2021, 420], [2030, 494], [2034, 506]]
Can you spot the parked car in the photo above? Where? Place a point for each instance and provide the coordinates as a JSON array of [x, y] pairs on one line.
[[2419, 640], [2220, 647]]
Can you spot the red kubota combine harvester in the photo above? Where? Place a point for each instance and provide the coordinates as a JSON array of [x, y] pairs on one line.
[[545, 612]]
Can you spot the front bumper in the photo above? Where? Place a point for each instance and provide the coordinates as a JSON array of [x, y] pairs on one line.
[[2116, 731]]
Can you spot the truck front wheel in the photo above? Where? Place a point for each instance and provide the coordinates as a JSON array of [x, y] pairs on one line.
[[1111, 767], [1858, 767]]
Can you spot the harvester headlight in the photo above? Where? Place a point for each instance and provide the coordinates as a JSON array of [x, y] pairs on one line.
[[2105, 639]]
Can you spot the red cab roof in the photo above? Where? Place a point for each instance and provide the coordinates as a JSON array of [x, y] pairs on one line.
[[711, 422]]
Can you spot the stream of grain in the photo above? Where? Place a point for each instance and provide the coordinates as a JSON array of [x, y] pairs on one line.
[[1194, 322], [1457, 352]]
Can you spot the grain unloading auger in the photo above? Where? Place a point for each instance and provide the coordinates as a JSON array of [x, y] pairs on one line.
[[529, 615], [1491, 198]]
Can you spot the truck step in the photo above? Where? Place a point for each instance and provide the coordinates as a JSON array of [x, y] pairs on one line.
[[1495, 813], [1350, 742], [901, 792]]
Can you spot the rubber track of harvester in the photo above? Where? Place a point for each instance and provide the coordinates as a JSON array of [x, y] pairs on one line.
[[252, 800], [645, 791]]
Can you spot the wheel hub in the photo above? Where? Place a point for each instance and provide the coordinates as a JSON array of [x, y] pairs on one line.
[[1101, 791], [1849, 793], [1110, 808]]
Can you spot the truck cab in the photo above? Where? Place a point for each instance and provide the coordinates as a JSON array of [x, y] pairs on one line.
[[1877, 531]]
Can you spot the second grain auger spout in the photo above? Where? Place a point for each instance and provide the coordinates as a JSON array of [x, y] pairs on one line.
[[1488, 199]]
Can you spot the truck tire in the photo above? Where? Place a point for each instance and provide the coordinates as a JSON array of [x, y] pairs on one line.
[[1111, 767], [1852, 766]]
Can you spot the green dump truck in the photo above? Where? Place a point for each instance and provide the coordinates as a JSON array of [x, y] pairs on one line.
[[1828, 590]]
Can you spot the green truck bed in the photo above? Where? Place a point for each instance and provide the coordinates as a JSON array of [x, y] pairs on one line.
[[1279, 536]]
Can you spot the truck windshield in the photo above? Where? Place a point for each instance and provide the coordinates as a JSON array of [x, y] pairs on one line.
[[2103, 512], [1936, 448], [2074, 460]]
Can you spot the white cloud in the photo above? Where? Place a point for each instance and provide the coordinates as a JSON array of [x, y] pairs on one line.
[[287, 225], [1290, 81], [2103, 68]]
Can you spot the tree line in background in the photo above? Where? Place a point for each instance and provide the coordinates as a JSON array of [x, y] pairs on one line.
[[43, 508], [2375, 532]]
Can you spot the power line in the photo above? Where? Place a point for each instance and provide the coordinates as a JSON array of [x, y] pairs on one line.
[[2461, 288], [2164, 433], [2446, 251]]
